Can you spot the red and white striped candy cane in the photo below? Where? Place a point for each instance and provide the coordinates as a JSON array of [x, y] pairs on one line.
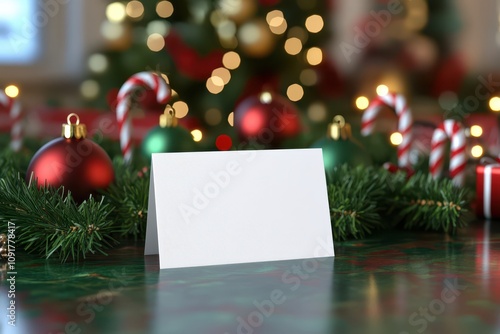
[[148, 79], [405, 122], [458, 158], [16, 132]]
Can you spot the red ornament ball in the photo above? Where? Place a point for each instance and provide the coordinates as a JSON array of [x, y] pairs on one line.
[[80, 165], [266, 119]]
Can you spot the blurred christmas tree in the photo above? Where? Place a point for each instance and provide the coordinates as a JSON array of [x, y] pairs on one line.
[[215, 53]]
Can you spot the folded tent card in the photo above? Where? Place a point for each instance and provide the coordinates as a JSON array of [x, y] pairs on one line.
[[213, 208]]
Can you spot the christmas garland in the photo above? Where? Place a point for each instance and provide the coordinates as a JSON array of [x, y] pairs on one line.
[[362, 199]]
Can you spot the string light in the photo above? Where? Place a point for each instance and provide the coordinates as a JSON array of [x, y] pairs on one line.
[[155, 42], [231, 60], [362, 102], [197, 135], [314, 23], [115, 12], [476, 151], [164, 9], [382, 90], [12, 91], [314, 56], [495, 103], [222, 73], [293, 46], [295, 92], [134, 9], [215, 85], [181, 109], [396, 138], [476, 131]]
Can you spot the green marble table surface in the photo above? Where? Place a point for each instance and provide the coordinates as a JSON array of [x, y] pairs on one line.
[[393, 282]]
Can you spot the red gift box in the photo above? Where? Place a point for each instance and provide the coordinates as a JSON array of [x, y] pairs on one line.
[[488, 191]]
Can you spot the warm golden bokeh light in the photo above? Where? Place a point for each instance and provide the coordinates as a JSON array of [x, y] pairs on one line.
[[230, 119], [115, 12], [314, 56], [181, 109], [12, 91], [476, 131], [273, 15], [135, 9], [314, 23], [362, 102], [164, 9], [293, 46], [476, 151], [396, 138], [215, 85], [156, 42], [222, 73], [231, 60], [295, 92], [382, 90], [197, 135], [495, 103]]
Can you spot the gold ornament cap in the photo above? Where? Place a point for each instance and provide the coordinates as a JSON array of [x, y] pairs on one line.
[[74, 130], [168, 119], [339, 129]]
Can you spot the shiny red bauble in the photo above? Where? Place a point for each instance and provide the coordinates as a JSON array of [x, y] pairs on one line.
[[80, 165], [266, 119]]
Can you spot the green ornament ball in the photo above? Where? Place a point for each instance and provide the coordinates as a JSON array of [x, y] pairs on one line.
[[167, 139], [339, 152]]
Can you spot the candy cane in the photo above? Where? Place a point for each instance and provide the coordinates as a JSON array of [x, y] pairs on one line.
[[405, 122], [454, 131], [151, 81], [14, 108]]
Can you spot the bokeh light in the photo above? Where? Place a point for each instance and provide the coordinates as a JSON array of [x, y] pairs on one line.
[[314, 56], [314, 23], [115, 12], [476, 131], [164, 9], [477, 151], [12, 91], [382, 90], [197, 135], [362, 102], [495, 103], [396, 138]]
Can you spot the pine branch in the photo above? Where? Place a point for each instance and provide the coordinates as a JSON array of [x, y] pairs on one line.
[[128, 195], [356, 198], [49, 223], [433, 204]]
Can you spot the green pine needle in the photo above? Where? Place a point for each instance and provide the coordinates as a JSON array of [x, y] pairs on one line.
[[51, 224], [128, 195]]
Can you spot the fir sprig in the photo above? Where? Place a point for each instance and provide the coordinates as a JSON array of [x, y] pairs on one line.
[[128, 196], [52, 224], [433, 204]]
